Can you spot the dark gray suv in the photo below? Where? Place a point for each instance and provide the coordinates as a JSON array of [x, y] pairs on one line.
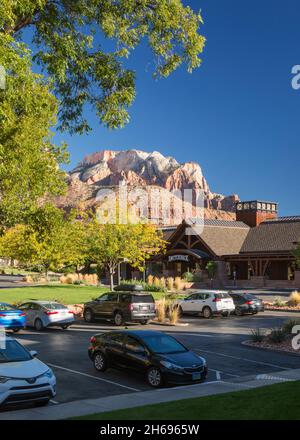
[[121, 306]]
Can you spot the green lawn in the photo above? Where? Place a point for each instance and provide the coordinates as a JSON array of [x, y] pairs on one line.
[[67, 294], [274, 402]]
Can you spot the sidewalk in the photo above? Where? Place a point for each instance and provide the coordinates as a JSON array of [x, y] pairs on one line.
[[111, 403]]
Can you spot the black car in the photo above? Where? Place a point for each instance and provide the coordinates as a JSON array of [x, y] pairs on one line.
[[121, 306], [159, 357], [246, 303]]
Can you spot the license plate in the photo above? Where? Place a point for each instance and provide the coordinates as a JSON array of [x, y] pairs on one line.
[[145, 308], [196, 376]]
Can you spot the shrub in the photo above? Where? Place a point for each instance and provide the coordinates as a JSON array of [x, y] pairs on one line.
[[279, 302], [288, 325], [150, 280], [174, 313], [178, 283], [257, 335], [276, 335], [156, 282], [161, 310], [188, 276], [170, 283], [294, 299]]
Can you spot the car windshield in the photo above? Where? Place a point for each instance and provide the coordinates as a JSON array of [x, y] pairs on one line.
[[54, 306], [142, 299], [5, 307], [163, 344], [12, 351]]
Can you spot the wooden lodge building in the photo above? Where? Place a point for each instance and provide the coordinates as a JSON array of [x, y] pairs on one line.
[[256, 250]]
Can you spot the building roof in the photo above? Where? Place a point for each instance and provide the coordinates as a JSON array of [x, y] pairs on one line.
[[223, 237], [274, 235]]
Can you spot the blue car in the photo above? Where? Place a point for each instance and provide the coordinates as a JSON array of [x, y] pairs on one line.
[[11, 318]]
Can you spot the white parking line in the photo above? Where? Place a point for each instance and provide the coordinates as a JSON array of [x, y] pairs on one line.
[[92, 377], [54, 402], [242, 359], [223, 372]]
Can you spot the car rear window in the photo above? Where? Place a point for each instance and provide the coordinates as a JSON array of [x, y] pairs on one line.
[[54, 306], [249, 296], [5, 307], [222, 295], [142, 299]]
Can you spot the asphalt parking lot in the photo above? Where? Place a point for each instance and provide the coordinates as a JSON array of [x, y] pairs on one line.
[[218, 340]]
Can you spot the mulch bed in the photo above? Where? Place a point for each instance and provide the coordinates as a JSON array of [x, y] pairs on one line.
[[285, 308], [284, 346]]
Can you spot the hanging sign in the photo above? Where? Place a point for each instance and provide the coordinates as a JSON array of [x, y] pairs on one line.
[[178, 258]]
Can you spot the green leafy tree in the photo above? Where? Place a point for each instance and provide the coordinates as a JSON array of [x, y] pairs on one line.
[[212, 268], [48, 240], [71, 40], [28, 159], [111, 244]]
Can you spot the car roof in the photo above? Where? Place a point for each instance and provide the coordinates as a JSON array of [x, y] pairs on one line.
[[208, 291], [139, 333], [40, 302]]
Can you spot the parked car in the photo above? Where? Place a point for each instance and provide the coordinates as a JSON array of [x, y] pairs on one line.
[[42, 314], [122, 306], [246, 303], [11, 318], [23, 378], [160, 357], [207, 303]]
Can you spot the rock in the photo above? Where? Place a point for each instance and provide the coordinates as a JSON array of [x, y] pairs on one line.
[[137, 168]]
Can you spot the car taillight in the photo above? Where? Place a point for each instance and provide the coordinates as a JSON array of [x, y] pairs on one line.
[[130, 307], [22, 314], [70, 311], [3, 315], [47, 312], [249, 302], [216, 300], [93, 340]]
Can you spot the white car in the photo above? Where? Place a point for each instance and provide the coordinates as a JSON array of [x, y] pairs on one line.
[[207, 303], [23, 378], [42, 314]]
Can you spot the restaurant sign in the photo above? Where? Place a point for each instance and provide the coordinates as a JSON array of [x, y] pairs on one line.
[[178, 258]]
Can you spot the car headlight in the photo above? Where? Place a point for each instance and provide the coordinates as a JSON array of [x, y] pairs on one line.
[[203, 360], [49, 373], [171, 366], [4, 379]]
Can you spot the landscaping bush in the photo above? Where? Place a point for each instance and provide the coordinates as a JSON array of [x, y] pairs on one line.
[[150, 280], [188, 276], [174, 314], [279, 302], [170, 283], [277, 335], [161, 310], [294, 299], [257, 335], [178, 283], [146, 286], [288, 325]]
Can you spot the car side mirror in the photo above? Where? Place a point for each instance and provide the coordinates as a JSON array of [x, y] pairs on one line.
[[33, 353]]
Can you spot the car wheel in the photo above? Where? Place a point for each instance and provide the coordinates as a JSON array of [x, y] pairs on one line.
[[16, 330], [145, 322], [225, 314], [207, 313], [88, 315], [100, 362], [154, 377], [118, 319], [238, 312], [180, 311], [38, 325], [64, 327]]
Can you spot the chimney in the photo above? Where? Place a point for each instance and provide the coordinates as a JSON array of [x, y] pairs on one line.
[[254, 212]]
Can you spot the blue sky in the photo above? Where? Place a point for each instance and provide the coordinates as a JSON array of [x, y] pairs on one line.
[[237, 115]]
